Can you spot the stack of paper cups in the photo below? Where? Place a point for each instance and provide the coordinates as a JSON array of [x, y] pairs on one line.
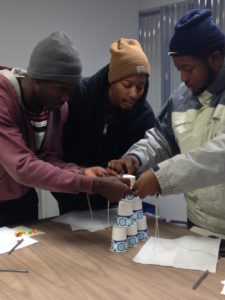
[[132, 237], [119, 239], [142, 229], [137, 208], [125, 214]]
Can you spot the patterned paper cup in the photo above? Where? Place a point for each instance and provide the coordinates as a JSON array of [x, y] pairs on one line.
[[119, 239], [125, 214], [142, 229], [137, 208], [132, 237]]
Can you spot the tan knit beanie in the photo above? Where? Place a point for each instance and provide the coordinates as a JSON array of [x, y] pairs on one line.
[[127, 58]]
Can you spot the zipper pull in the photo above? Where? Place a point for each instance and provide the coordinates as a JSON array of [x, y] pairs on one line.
[[105, 129]]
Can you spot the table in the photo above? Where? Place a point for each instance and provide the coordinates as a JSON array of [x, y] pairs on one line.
[[79, 265]]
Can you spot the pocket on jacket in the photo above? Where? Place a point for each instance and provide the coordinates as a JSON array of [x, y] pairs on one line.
[[216, 125], [183, 130]]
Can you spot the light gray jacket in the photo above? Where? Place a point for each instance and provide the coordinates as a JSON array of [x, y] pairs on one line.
[[188, 144]]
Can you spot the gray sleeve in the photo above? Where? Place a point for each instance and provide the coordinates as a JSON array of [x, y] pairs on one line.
[[199, 167], [150, 150]]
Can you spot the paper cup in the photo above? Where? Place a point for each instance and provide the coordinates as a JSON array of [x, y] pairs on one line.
[[130, 197], [132, 181], [125, 213], [119, 239], [125, 208], [142, 229], [137, 208], [132, 237], [131, 177]]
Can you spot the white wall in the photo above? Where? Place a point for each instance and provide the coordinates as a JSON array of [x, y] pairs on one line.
[[92, 24]]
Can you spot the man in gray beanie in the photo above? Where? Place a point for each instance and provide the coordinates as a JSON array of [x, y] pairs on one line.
[[185, 152], [33, 109]]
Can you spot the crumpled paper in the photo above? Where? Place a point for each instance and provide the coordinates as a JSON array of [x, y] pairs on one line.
[[187, 252], [223, 289]]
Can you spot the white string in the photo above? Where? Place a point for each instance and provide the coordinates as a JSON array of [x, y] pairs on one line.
[[89, 204], [91, 211], [156, 217], [108, 212]]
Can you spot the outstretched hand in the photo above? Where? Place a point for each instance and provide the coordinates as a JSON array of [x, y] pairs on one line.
[[146, 185], [112, 188], [95, 171], [127, 164]]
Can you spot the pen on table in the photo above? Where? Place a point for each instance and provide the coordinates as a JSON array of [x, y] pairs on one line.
[[199, 281], [18, 243], [14, 270]]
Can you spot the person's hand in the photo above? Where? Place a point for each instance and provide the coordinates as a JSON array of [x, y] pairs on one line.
[[111, 172], [94, 171], [112, 188], [146, 185], [127, 164]]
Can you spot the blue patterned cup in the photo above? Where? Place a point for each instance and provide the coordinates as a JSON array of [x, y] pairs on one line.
[[142, 235], [118, 246], [138, 214], [125, 221], [125, 213], [137, 208], [142, 229], [119, 239], [132, 237], [129, 197]]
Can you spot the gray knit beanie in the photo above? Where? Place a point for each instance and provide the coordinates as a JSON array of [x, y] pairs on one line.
[[55, 58]]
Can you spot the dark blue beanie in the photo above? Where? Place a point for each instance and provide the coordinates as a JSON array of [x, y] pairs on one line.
[[196, 33]]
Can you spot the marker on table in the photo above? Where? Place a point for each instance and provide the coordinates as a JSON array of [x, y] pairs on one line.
[[14, 270], [199, 281], [18, 243]]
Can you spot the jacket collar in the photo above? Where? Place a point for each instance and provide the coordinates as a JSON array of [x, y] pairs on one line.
[[12, 75], [218, 83]]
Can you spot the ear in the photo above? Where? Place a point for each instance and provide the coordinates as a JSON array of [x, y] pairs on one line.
[[215, 60]]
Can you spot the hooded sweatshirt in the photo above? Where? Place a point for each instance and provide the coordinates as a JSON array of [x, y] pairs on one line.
[[21, 166], [88, 139]]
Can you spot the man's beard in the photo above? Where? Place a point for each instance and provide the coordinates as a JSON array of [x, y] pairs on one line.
[[211, 76]]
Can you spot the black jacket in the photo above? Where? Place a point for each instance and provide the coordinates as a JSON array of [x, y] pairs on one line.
[[88, 141]]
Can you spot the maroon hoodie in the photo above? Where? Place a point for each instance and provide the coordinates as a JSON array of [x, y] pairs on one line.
[[20, 167]]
